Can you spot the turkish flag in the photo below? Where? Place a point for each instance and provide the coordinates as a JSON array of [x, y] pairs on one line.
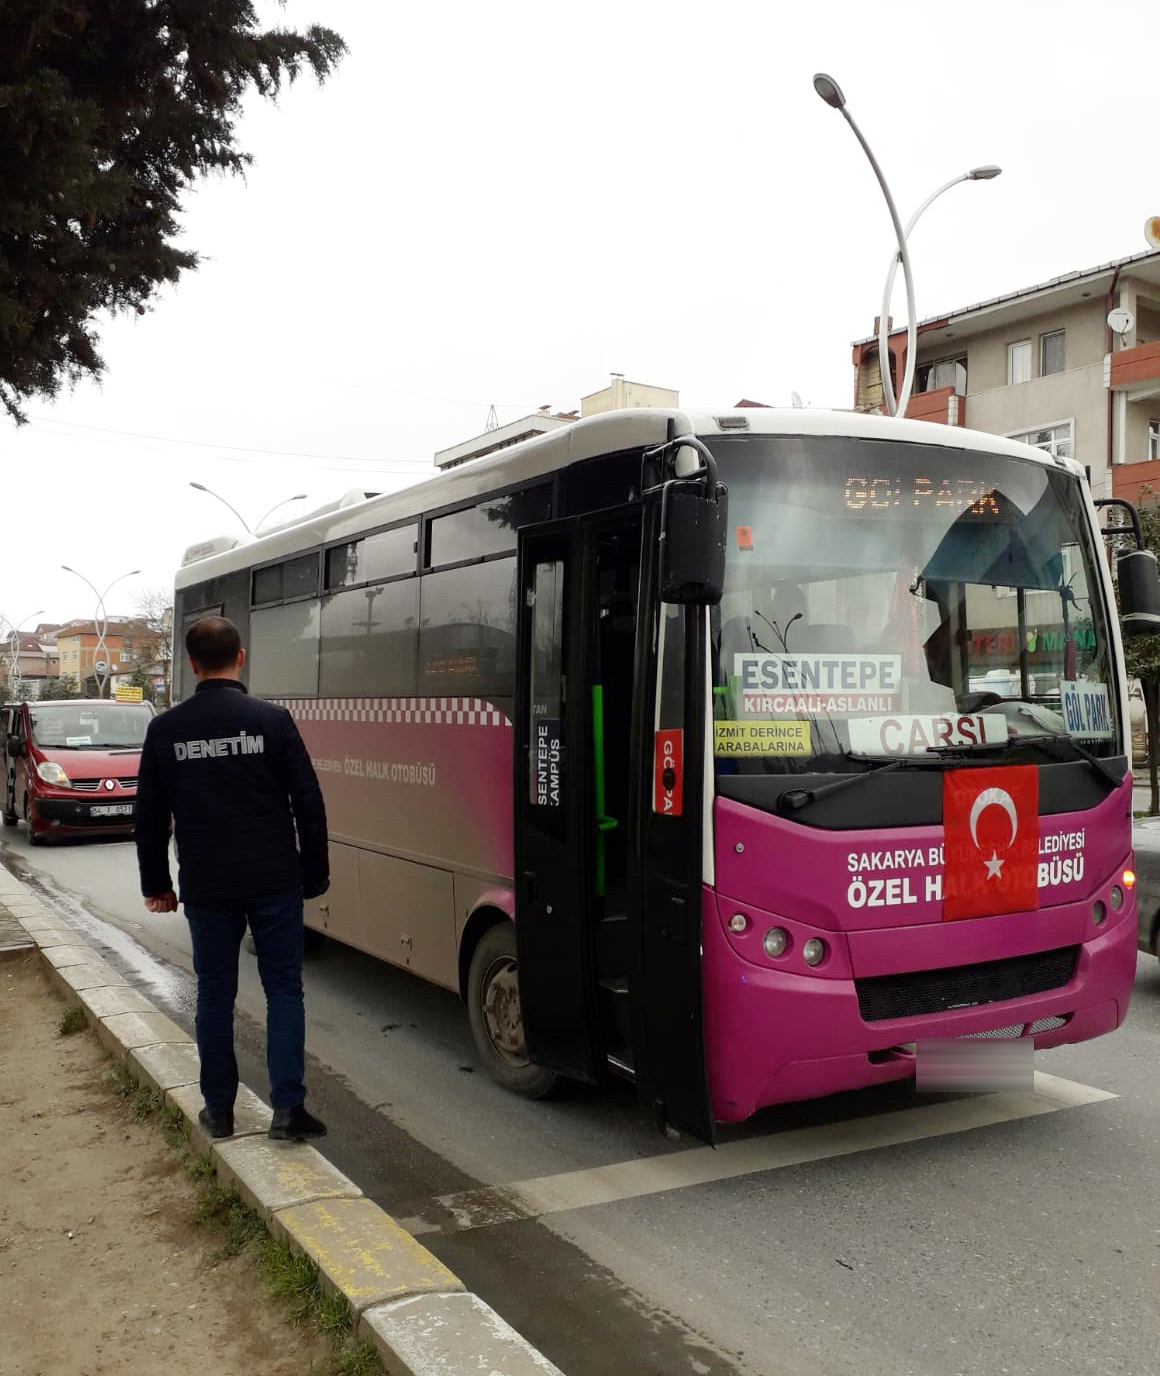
[[990, 841]]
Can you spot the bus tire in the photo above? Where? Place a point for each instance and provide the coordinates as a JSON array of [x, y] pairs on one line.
[[493, 1008]]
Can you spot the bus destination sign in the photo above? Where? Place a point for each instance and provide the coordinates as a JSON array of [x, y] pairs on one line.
[[921, 494]]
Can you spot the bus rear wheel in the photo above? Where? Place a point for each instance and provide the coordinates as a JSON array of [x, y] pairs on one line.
[[493, 1008]]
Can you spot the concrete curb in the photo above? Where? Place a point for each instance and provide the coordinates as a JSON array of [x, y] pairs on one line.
[[414, 1310]]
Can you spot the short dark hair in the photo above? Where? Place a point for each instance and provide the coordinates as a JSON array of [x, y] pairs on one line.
[[213, 643]]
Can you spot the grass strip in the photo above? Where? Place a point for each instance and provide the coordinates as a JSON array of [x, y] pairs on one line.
[[72, 1019], [289, 1275]]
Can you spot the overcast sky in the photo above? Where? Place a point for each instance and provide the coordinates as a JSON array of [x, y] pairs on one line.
[[502, 204]]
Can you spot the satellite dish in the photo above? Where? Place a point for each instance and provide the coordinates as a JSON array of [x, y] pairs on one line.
[[796, 399], [1120, 320], [1152, 231]]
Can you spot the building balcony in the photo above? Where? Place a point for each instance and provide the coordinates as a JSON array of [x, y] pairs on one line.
[[944, 406], [1135, 371]]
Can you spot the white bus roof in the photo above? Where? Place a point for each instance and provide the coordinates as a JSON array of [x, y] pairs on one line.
[[584, 439]]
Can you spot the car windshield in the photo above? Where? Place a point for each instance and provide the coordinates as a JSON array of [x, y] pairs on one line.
[[893, 600], [90, 725]]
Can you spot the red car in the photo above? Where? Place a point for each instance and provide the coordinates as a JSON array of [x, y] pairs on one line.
[[71, 766]]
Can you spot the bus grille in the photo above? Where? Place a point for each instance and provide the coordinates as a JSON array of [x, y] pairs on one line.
[[964, 986]]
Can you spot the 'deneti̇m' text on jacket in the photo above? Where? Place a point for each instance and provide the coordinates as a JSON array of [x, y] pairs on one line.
[[247, 811]]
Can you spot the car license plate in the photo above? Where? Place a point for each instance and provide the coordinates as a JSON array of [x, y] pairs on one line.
[[112, 810]]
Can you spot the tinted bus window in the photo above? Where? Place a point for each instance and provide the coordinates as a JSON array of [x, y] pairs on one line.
[[268, 584], [370, 641], [284, 650], [467, 644], [489, 528], [386, 555], [292, 578]]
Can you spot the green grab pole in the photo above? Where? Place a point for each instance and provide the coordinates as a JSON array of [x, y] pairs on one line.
[[603, 823]]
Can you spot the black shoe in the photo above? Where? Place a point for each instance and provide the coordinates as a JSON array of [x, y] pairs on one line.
[[222, 1126], [295, 1125]]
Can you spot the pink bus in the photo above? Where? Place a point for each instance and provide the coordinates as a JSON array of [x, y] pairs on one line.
[[735, 754]]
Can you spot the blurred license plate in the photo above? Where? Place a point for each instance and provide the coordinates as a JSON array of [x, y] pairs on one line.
[[975, 1065], [112, 810]]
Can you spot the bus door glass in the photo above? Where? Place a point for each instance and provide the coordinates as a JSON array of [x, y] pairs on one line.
[[553, 791], [667, 867]]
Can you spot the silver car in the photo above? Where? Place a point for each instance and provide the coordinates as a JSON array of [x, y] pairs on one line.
[[1146, 840]]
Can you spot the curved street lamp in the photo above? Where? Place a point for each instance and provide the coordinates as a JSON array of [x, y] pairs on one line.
[[102, 678], [14, 647], [977, 174], [201, 487], [298, 497], [829, 90]]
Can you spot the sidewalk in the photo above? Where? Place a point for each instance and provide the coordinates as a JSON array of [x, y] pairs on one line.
[[80, 1173]]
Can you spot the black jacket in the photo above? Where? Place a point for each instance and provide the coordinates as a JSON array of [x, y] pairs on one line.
[[233, 773]]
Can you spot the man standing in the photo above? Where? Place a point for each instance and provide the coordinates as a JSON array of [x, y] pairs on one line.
[[250, 825]]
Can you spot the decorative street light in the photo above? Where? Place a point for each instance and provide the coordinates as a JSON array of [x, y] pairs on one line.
[[977, 174], [102, 675], [831, 93], [201, 487], [298, 497], [14, 648]]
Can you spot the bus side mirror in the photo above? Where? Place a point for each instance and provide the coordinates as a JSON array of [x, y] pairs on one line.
[[1139, 586], [15, 747], [694, 520]]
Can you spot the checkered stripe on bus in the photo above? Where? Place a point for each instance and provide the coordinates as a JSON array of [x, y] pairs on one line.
[[416, 711]]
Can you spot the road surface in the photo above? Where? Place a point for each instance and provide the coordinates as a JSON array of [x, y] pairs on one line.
[[879, 1233]]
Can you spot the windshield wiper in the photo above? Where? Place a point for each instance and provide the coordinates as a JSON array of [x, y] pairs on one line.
[[797, 798], [1101, 767]]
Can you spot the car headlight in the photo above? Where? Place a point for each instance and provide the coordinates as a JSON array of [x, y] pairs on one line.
[[52, 773]]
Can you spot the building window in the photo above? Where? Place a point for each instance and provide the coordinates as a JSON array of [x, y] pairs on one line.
[[1052, 439], [1153, 440], [1019, 362], [947, 372], [1051, 353]]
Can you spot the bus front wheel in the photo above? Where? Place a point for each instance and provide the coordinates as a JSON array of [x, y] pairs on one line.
[[493, 1007]]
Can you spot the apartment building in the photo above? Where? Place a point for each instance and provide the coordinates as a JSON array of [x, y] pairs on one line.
[[1071, 365], [77, 647]]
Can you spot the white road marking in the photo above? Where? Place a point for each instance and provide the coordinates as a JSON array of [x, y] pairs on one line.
[[552, 1194]]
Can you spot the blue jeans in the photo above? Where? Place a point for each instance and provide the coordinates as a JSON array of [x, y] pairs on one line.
[[217, 936]]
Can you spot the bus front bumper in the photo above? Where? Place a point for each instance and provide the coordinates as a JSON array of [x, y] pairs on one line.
[[773, 1036]]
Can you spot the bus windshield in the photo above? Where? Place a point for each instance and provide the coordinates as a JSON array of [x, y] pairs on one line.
[[887, 599], [90, 725]]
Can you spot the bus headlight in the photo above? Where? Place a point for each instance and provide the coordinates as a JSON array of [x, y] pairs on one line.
[[776, 942], [814, 951], [52, 773], [1099, 912], [738, 923], [1116, 898]]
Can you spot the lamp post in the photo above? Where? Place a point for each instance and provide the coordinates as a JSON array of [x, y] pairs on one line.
[[14, 648], [201, 487], [831, 93], [102, 676], [977, 174], [298, 497]]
